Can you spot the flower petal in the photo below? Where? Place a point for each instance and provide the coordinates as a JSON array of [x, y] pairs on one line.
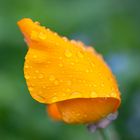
[[67, 75]]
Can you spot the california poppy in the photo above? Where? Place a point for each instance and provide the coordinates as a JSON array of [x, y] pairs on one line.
[[71, 78]]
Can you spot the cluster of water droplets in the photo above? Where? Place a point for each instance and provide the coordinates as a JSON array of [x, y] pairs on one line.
[[38, 35]]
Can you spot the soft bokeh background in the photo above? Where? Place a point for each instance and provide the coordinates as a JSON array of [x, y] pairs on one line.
[[111, 26]]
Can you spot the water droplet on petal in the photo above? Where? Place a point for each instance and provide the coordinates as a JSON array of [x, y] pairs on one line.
[[27, 77], [34, 56], [64, 94], [54, 99], [34, 35], [72, 63], [34, 77], [30, 88], [55, 93], [80, 55], [36, 71], [113, 94], [93, 94], [48, 29], [92, 64], [55, 34], [40, 76], [90, 85], [87, 70], [26, 67], [75, 94], [56, 82], [60, 58], [60, 65], [65, 39], [73, 42], [78, 114], [68, 53], [85, 115], [95, 85], [102, 84], [48, 62], [40, 92], [68, 90], [76, 60], [42, 35], [37, 23], [51, 78], [69, 83], [25, 40]]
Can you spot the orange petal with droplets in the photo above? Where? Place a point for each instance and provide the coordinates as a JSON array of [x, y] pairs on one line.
[[62, 71]]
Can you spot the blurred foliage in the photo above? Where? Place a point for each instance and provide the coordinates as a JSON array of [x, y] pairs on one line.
[[112, 27]]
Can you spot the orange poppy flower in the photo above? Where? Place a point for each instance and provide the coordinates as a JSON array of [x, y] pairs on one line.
[[72, 79]]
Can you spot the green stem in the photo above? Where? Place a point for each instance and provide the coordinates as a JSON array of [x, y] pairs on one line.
[[103, 134]]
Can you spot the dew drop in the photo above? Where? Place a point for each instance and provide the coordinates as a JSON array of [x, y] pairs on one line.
[[78, 114], [80, 55], [37, 23], [102, 84], [40, 76], [76, 60], [60, 58], [25, 40], [108, 95], [92, 64], [64, 94], [56, 43], [27, 77], [75, 94], [90, 85], [54, 99], [36, 71], [87, 71], [60, 65], [95, 85], [48, 29], [56, 82], [34, 35], [48, 62], [68, 53], [26, 67], [69, 83], [42, 35], [85, 115], [73, 42], [100, 74], [68, 90], [93, 94], [40, 92], [65, 39], [84, 81], [30, 89], [34, 56], [51, 78], [34, 77], [113, 94], [55, 93], [55, 34], [111, 88], [72, 63]]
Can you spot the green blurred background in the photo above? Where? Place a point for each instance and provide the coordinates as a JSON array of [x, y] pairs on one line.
[[111, 26]]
